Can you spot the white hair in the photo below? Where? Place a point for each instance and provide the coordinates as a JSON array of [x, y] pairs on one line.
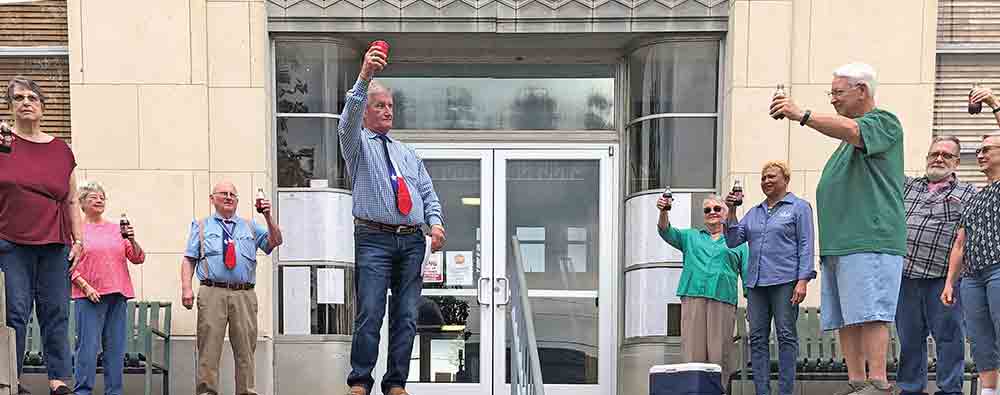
[[858, 74], [714, 198]]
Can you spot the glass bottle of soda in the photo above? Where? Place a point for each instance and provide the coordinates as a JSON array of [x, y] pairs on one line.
[[974, 108], [259, 202], [668, 194], [123, 224], [738, 188], [6, 138], [779, 92]]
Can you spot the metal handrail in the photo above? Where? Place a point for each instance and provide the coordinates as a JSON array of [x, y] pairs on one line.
[[525, 370]]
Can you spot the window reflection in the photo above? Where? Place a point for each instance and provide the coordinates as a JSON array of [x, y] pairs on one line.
[[567, 334], [504, 97], [303, 305], [312, 77], [308, 150], [674, 77], [552, 208], [446, 349], [674, 152], [458, 186]]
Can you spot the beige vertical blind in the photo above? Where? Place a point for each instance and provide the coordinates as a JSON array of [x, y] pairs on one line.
[[968, 41], [29, 25]]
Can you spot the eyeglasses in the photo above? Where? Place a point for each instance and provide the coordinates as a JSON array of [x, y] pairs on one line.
[[231, 195], [717, 209], [22, 98], [840, 92], [943, 155], [986, 149]]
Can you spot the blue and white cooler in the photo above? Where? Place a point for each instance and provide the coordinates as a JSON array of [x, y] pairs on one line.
[[686, 379]]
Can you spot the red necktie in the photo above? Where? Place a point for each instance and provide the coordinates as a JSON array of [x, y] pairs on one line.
[[229, 250], [230, 253], [403, 201]]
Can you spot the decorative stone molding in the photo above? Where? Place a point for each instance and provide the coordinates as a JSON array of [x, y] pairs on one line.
[[497, 15]]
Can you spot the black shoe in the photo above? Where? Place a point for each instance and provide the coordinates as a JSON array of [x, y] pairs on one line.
[[61, 390]]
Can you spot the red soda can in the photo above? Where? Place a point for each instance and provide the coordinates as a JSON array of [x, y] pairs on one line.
[[382, 46]]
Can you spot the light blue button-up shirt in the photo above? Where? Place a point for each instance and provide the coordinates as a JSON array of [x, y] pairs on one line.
[[374, 198], [782, 243], [246, 250]]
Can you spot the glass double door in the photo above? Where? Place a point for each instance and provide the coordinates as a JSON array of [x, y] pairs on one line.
[[559, 205]]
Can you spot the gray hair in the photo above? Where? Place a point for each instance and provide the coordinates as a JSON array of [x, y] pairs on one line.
[[858, 74], [88, 188], [953, 139], [375, 87], [26, 83]]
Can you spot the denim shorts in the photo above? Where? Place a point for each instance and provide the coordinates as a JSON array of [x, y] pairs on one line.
[[859, 288]]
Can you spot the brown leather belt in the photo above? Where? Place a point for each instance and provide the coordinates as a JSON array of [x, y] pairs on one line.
[[232, 286], [397, 229]]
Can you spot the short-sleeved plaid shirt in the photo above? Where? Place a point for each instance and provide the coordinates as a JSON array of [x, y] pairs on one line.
[[931, 219]]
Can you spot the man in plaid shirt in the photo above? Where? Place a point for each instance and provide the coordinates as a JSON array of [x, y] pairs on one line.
[[933, 206]]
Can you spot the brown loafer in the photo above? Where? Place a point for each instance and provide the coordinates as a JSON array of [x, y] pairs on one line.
[[357, 390], [398, 391]]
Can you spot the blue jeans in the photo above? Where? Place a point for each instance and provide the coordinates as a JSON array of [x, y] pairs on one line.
[[385, 260], [981, 303], [38, 276], [763, 304], [100, 326], [919, 313]]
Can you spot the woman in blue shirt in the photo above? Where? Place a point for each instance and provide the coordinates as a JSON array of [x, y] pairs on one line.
[[779, 232]]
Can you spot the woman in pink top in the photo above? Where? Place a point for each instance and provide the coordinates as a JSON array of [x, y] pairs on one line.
[[101, 290]]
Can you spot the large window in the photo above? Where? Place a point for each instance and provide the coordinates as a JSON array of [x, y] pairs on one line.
[[501, 97], [672, 130], [310, 81], [672, 138]]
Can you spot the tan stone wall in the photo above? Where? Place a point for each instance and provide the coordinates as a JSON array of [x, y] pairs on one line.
[[169, 97], [800, 43]]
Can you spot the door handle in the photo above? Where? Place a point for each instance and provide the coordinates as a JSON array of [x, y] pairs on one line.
[[479, 290], [506, 290]]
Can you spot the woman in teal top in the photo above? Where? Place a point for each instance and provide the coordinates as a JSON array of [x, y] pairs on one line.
[[708, 286]]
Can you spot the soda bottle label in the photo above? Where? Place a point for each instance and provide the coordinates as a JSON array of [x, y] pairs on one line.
[[974, 108], [668, 195], [259, 203], [123, 226], [779, 92], [738, 188]]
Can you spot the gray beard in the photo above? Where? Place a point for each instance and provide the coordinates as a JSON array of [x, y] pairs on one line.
[[935, 174]]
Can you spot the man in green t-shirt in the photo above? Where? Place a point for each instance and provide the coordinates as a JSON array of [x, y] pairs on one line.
[[862, 227]]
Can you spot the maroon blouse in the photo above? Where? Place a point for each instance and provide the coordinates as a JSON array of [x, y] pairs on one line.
[[34, 185]]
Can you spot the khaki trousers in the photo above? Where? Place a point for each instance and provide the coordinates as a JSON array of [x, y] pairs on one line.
[[217, 309], [707, 331]]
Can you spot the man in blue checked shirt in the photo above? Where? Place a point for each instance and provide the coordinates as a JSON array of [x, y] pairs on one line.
[[393, 199], [780, 233]]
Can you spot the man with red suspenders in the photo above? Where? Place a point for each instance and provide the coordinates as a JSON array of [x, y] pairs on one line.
[[222, 250]]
